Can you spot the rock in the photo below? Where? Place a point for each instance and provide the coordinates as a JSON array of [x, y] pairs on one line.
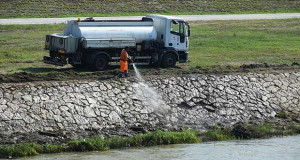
[[8, 96], [114, 117], [27, 98], [144, 111], [273, 89], [96, 89], [28, 120], [278, 83], [80, 120], [89, 112], [79, 110], [91, 100], [2, 101], [96, 126], [283, 99], [209, 108], [202, 82], [220, 87], [8, 114], [252, 79], [231, 91], [2, 108], [44, 97], [264, 98], [108, 86]]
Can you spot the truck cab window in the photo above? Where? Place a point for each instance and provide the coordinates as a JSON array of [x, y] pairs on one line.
[[177, 28]]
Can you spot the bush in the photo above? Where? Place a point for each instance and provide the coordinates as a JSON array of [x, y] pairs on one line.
[[217, 134], [51, 148], [27, 149], [148, 139]]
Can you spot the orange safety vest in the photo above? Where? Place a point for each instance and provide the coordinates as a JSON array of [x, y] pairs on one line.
[[124, 61]]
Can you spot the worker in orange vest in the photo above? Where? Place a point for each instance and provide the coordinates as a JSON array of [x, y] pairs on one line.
[[124, 58]]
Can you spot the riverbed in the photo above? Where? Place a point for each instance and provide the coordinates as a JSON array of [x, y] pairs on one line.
[[277, 148]]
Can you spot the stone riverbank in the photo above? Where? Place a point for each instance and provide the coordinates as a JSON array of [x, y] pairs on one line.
[[54, 112]]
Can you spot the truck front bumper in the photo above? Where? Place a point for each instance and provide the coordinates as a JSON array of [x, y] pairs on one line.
[[183, 57], [55, 61]]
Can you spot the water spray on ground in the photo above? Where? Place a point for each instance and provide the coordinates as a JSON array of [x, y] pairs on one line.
[[154, 100]]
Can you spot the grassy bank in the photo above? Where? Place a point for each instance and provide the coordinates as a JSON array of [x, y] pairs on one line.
[[249, 131], [58, 8], [99, 144], [239, 131], [214, 46]]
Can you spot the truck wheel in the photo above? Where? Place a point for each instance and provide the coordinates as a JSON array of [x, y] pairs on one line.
[[169, 60], [100, 62]]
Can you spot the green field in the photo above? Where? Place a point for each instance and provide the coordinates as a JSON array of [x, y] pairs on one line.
[[244, 42], [213, 43], [67, 8]]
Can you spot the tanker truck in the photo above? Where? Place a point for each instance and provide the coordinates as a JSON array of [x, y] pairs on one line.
[[153, 40]]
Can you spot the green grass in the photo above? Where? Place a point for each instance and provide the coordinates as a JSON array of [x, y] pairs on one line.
[[64, 8], [249, 131], [142, 140], [213, 43], [24, 43], [215, 133], [244, 42], [22, 47], [100, 144]]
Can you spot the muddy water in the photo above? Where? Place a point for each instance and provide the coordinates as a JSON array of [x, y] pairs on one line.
[[282, 148]]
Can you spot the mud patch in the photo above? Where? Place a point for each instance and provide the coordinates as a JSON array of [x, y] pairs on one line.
[[263, 65], [112, 73], [22, 77]]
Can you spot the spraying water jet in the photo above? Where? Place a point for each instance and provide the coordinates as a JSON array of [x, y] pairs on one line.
[[154, 101]]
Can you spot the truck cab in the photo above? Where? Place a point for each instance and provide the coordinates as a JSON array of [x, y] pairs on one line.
[[155, 39], [172, 31]]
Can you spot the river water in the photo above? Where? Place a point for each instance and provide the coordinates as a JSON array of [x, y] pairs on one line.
[[279, 148]]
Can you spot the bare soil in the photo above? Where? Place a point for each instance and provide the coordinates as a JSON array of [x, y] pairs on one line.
[[150, 72]]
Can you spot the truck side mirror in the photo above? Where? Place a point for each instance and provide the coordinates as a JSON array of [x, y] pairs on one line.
[[189, 29], [174, 22]]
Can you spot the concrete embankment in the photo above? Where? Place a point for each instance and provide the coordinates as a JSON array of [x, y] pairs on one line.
[[58, 111]]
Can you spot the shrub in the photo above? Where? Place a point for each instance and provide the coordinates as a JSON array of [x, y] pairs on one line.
[[217, 134]]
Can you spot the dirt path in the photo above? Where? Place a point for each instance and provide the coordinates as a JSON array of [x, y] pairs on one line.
[[185, 17]]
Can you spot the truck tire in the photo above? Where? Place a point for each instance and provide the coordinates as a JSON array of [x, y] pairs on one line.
[[169, 60], [100, 62]]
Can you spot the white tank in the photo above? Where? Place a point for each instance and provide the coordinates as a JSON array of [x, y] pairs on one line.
[[138, 30]]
